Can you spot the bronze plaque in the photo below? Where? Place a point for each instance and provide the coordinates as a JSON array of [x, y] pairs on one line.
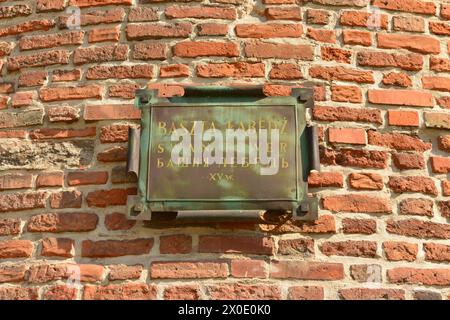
[[223, 153]]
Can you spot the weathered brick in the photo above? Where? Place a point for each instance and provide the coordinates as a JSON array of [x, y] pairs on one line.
[[357, 203], [22, 201], [371, 294], [301, 246], [264, 50], [15, 181], [413, 6], [315, 16], [194, 49], [397, 79], [335, 54], [95, 17], [283, 13], [341, 73], [354, 158], [371, 273], [419, 229], [398, 251], [127, 291], [27, 26], [413, 184], [440, 164], [361, 19], [359, 226], [49, 133], [415, 43], [367, 249], [71, 93], [410, 62], [357, 37], [142, 31], [236, 244], [63, 222], [118, 221], [323, 224], [60, 292], [188, 270], [112, 197], [95, 3], [57, 247], [269, 30], [9, 227], [187, 292], [31, 79], [175, 244], [115, 52], [115, 248], [324, 113], [12, 273], [444, 143], [124, 272], [18, 293], [408, 161], [409, 23], [290, 269], [111, 112], [66, 199], [365, 181], [235, 69], [63, 114], [305, 293], [15, 249], [142, 14], [40, 59], [430, 277], [150, 51], [325, 179], [398, 141], [51, 40], [123, 90], [87, 177], [198, 12], [436, 252], [437, 120], [245, 268], [322, 35], [413, 206], [104, 34], [244, 292], [113, 154], [174, 71], [212, 29]]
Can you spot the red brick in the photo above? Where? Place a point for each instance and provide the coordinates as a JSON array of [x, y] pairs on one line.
[[290, 269], [198, 12], [398, 141], [47, 133], [112, 197], [111, 112], [244, 292], [87, 177], [284, 13], [266, 50], [188, 270], [95, 17], [24, 98], [212, 29], [123, 90], [397, 79], [39, 59], [366, 272], [305, 293], [366, 249], [400, 251], [124, 272], [31, 79], [444, 143], [418, 228], [440, 28], [413, 6], [18, 293], [66, 199], [95, 3], [17, 10], [15, 181], [430, 277], [323, 224], [113, 154], [182, 293], [63, 222], [436, 83], [127, 291], [354, 158], [236, 244], [175, 244], [9, 227], [10, 249], [444, 208], [115, 248], [413, 184], [415, 43], [50, 179], [27, 26], [335, 54], [357, 37], [440, 164], [341, 73], [357, 203], [347, 135], [410, 62], [60, 292], [413, 206], [12, 273], [411, 24], [446, 187], [63, 114], [325, 179], [285, 71], [371, 294], [324, 113], [58, 247], [50, 5], [322, 35], [269, 30], [194, 49], [174, 71], [114, 133], [11, 134], [439, 64], [314, 16], [104, 34], [118, 221], [142, 14], [436, 252], [150, 51], [70, 93], [120, 72], [365, 181], [408, 161], [403, 118], [51, 40], [235, 69], [359, 226], [22, 201], [361, 19], [141, 31], [244, 268], [114, 52]]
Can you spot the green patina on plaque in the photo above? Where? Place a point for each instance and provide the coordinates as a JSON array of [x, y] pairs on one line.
[[221, 149]]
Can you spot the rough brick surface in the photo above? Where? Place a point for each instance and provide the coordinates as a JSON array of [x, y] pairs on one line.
[[382, 104]]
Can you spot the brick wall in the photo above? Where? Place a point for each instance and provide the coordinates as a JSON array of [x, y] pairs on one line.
[[381, 80]]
